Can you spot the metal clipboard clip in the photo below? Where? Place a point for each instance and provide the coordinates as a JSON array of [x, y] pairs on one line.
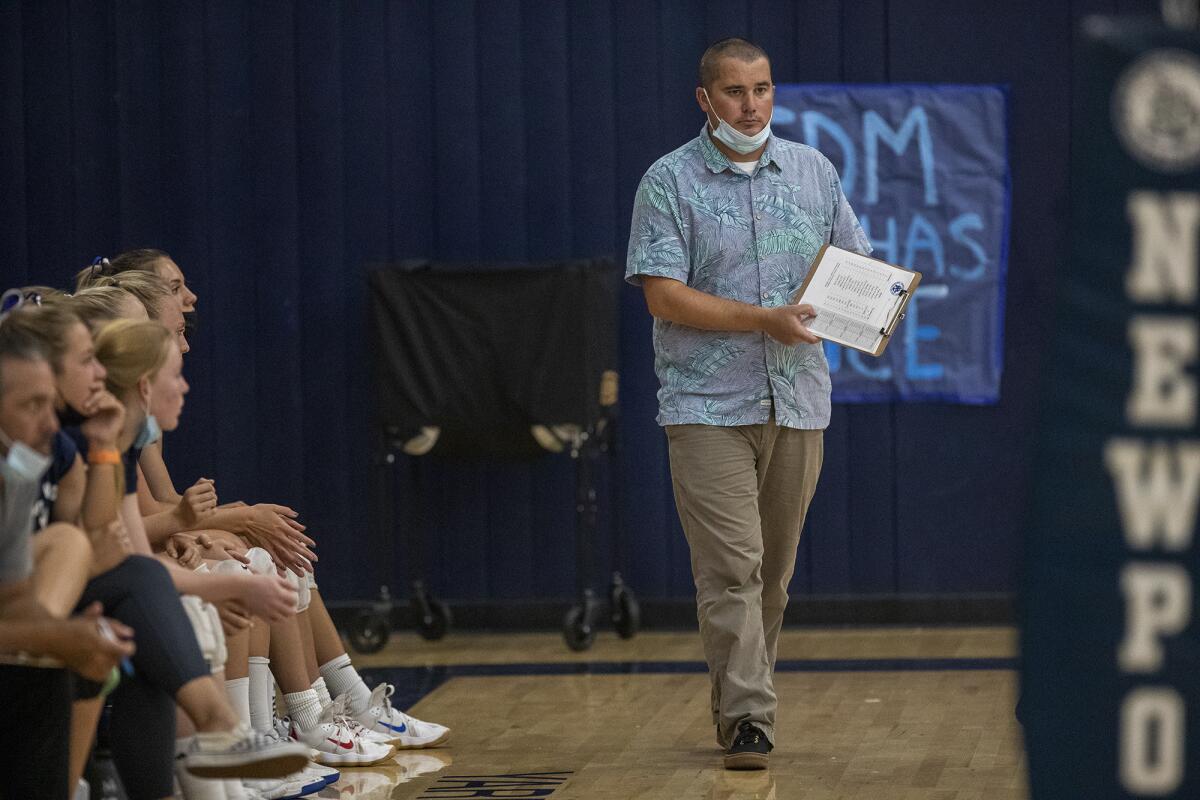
[[897, 314]]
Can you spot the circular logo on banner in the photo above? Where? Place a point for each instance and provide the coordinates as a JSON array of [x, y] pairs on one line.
[[1156, 109]]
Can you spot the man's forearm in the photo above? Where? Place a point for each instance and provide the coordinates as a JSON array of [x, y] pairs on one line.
[[19, 604], [677, 302], [40, 637]]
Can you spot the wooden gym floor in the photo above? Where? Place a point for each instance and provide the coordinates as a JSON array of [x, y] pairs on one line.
[[865, 714]]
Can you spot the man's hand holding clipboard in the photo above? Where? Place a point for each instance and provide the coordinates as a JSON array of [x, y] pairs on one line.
[[853, 300], [789, 324]]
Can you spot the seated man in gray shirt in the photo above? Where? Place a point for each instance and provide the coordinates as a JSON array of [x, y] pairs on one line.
[[35, 689]]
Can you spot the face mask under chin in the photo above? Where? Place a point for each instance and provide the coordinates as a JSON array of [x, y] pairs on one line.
[[22, 462], [148, 434], [734, 139]]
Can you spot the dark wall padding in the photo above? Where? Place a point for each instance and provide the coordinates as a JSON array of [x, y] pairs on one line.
[[277, 148]]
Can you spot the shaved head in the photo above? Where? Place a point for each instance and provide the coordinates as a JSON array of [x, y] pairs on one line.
[[742, 50]]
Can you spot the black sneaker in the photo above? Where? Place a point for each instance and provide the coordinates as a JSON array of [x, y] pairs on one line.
[[750, 748]]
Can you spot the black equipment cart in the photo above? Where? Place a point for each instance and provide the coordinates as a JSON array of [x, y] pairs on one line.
[[511, 360]]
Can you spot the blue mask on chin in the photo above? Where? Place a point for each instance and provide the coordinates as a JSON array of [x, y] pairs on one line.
[[23, 463], [148, 434], [734, 139]]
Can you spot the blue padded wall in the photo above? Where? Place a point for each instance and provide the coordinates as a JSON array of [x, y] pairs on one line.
[[275, 148]]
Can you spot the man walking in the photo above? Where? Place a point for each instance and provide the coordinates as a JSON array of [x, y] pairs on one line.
[[724, 230]]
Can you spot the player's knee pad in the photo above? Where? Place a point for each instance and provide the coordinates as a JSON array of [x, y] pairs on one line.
[[303, 596], [260, 561], [220, 652], [206, 625], [229, 566]]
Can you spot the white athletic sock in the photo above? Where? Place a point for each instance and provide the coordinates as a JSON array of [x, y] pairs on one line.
[[322, 692], [194, 788], [341, 678], [262, 688], [304, 708], [238, 690], [234, 790]]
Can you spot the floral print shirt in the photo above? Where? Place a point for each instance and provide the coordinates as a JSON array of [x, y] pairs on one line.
[[743, 237]]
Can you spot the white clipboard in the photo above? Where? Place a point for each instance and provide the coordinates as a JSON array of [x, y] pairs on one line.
[[859, 300]]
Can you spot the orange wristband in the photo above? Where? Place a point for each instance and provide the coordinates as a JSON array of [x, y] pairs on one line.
[[111, 456]]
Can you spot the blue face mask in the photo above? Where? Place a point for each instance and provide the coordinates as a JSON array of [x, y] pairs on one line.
[[148, 434], [23, 463], [734, 139]]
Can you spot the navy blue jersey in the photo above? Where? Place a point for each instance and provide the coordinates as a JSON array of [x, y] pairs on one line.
[[63, 451], [129, 458]]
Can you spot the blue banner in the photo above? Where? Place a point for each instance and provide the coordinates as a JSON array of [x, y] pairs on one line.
[[926, 169], [1110, 607]]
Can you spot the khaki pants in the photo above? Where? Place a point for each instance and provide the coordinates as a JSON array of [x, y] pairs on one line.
[[742, 493]]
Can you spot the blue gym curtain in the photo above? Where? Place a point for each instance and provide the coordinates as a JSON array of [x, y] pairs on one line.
[[276, 148]]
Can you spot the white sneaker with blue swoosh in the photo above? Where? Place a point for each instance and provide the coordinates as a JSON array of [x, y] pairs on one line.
[[407, 733]]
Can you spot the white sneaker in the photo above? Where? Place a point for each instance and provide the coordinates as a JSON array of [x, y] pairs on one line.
[[328, 774], [264, 789], [403, 731], [301, 785], [337, 740], [289, 788], [312, 778], [280, 726], [364, 731], [242, 753], [283, 729]]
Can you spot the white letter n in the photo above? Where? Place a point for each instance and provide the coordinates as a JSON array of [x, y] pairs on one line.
[[1165, 228]]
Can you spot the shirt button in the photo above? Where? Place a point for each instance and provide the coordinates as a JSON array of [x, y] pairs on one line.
[[766, 295], [758, 216]]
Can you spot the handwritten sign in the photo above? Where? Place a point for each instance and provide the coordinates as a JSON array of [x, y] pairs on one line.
[[926, 169]]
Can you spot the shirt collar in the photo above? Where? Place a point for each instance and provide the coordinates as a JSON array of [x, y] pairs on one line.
[[716, 161]]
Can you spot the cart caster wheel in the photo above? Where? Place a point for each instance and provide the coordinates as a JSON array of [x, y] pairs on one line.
[[434, 620], [578, 630], [370, 632], [626, 614]]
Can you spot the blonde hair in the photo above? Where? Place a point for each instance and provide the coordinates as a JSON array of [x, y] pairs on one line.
[[49, 324], [147, 287], [143, 258], [130, 350], [98, 305]]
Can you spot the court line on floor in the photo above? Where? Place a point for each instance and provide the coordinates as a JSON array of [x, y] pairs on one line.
[[414, 683]]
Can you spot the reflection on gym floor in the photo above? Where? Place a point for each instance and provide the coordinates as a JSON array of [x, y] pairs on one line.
[[903, 713]]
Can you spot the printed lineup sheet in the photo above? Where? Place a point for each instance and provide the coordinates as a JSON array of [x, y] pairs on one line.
[[858, 299]]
